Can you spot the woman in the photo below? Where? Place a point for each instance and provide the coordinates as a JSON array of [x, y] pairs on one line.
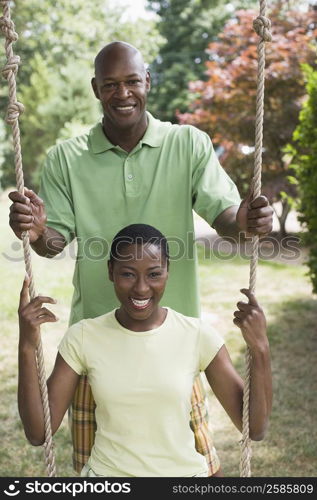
[[131, 355]]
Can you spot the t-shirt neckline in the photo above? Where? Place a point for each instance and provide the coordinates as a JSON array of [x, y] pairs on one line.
[[144, 333]]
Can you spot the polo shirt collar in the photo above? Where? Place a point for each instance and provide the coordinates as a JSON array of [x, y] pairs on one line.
[[98, 141], [153, 136], [154, 133]]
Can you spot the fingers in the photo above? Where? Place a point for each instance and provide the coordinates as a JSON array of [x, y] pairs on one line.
[[17, 197], [243, 306], [38, 301], [32, 307], [259, 212], [260, 226], [36, 318], [237, 322], [21, 217], [20, 220], [245, 310], [240, 315], [28, 197], [24, 294], [258, 222], [21, 208], [32, 318], [44, 315], [251, 297], [260, 216], [34, 198], [260, 201]]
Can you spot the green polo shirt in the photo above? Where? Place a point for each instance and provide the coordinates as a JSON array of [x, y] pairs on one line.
[[92, 189]]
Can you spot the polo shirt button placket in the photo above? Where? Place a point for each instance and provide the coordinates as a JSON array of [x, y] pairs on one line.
[[130, 184]]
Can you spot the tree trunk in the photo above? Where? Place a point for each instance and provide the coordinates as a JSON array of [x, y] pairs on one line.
[[282, 218]]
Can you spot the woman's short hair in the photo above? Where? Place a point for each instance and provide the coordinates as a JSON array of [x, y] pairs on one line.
[[139, 234]]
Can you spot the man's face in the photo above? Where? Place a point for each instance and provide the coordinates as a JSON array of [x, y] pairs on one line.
[[121, 84]]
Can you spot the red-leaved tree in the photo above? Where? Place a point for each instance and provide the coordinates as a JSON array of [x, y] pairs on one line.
[[225, 103]]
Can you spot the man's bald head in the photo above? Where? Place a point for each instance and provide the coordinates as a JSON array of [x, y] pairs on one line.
[[118, 51], [121, 84]]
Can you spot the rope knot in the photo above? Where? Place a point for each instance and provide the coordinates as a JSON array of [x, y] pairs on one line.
[[7, 27], [15, 109], [262, 27], [11, 66]]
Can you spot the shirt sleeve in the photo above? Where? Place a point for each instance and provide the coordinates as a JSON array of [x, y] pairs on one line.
[[212, 189], [71, 348], [56, 193], [209, 344]]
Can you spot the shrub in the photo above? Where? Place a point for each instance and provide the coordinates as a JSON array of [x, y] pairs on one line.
[[305, 166]]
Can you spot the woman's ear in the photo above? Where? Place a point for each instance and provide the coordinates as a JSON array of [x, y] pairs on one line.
[[110, 270]]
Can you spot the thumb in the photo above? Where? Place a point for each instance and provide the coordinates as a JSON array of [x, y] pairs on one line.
[[33, 197], [24, 295], [248, 198]]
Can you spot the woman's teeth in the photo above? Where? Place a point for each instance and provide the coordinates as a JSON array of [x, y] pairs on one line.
[[141, 304]]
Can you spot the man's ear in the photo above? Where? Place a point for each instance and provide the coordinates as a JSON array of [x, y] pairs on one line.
[[95, 87], [148, 81], [110, 270]]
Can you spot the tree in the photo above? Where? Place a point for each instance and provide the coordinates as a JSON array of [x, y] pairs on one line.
[[304, 162], [187, 26], [58, 41], [224, 105]]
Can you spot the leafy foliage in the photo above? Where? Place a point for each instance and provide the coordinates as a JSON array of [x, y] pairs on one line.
[[304, 154], [187, 26], [225, 104], [58, 41]]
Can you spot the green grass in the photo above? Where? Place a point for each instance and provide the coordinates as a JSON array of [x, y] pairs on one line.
[[284, 292], [289, 448]]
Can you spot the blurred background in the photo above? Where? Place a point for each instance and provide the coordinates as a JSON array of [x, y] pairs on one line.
[[202, 55]]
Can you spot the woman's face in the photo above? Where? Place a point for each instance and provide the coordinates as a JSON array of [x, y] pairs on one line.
[[139, 279]]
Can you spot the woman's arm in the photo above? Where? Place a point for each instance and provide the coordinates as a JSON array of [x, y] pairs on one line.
[[227, 385], [62, 382]]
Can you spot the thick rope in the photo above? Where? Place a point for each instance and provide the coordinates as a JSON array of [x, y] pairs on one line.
[[14, 110], [262, 27]]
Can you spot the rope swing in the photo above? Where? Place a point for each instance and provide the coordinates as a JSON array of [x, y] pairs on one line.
[[14, 110], [262, 27]]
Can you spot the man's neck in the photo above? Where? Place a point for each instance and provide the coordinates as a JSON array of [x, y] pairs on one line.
[[127, 138]]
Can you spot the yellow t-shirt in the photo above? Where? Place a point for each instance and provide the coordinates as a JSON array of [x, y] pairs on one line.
[[142, 384]]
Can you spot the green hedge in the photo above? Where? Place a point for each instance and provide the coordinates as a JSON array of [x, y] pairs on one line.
[[305, 155]]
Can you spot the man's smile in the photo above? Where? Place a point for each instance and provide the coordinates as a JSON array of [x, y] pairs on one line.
[[126, 108]]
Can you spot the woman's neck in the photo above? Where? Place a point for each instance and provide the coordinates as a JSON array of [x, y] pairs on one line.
[[156, 319]]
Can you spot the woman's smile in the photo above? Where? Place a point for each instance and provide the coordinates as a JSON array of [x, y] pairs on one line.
[[140, 303], [139, 277]]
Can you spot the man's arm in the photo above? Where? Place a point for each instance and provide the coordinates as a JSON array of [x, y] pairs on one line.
[[248, 219], [212, 188], [27, 213], [49, 244]]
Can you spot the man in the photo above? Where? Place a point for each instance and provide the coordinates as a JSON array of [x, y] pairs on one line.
[[132, 168]]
